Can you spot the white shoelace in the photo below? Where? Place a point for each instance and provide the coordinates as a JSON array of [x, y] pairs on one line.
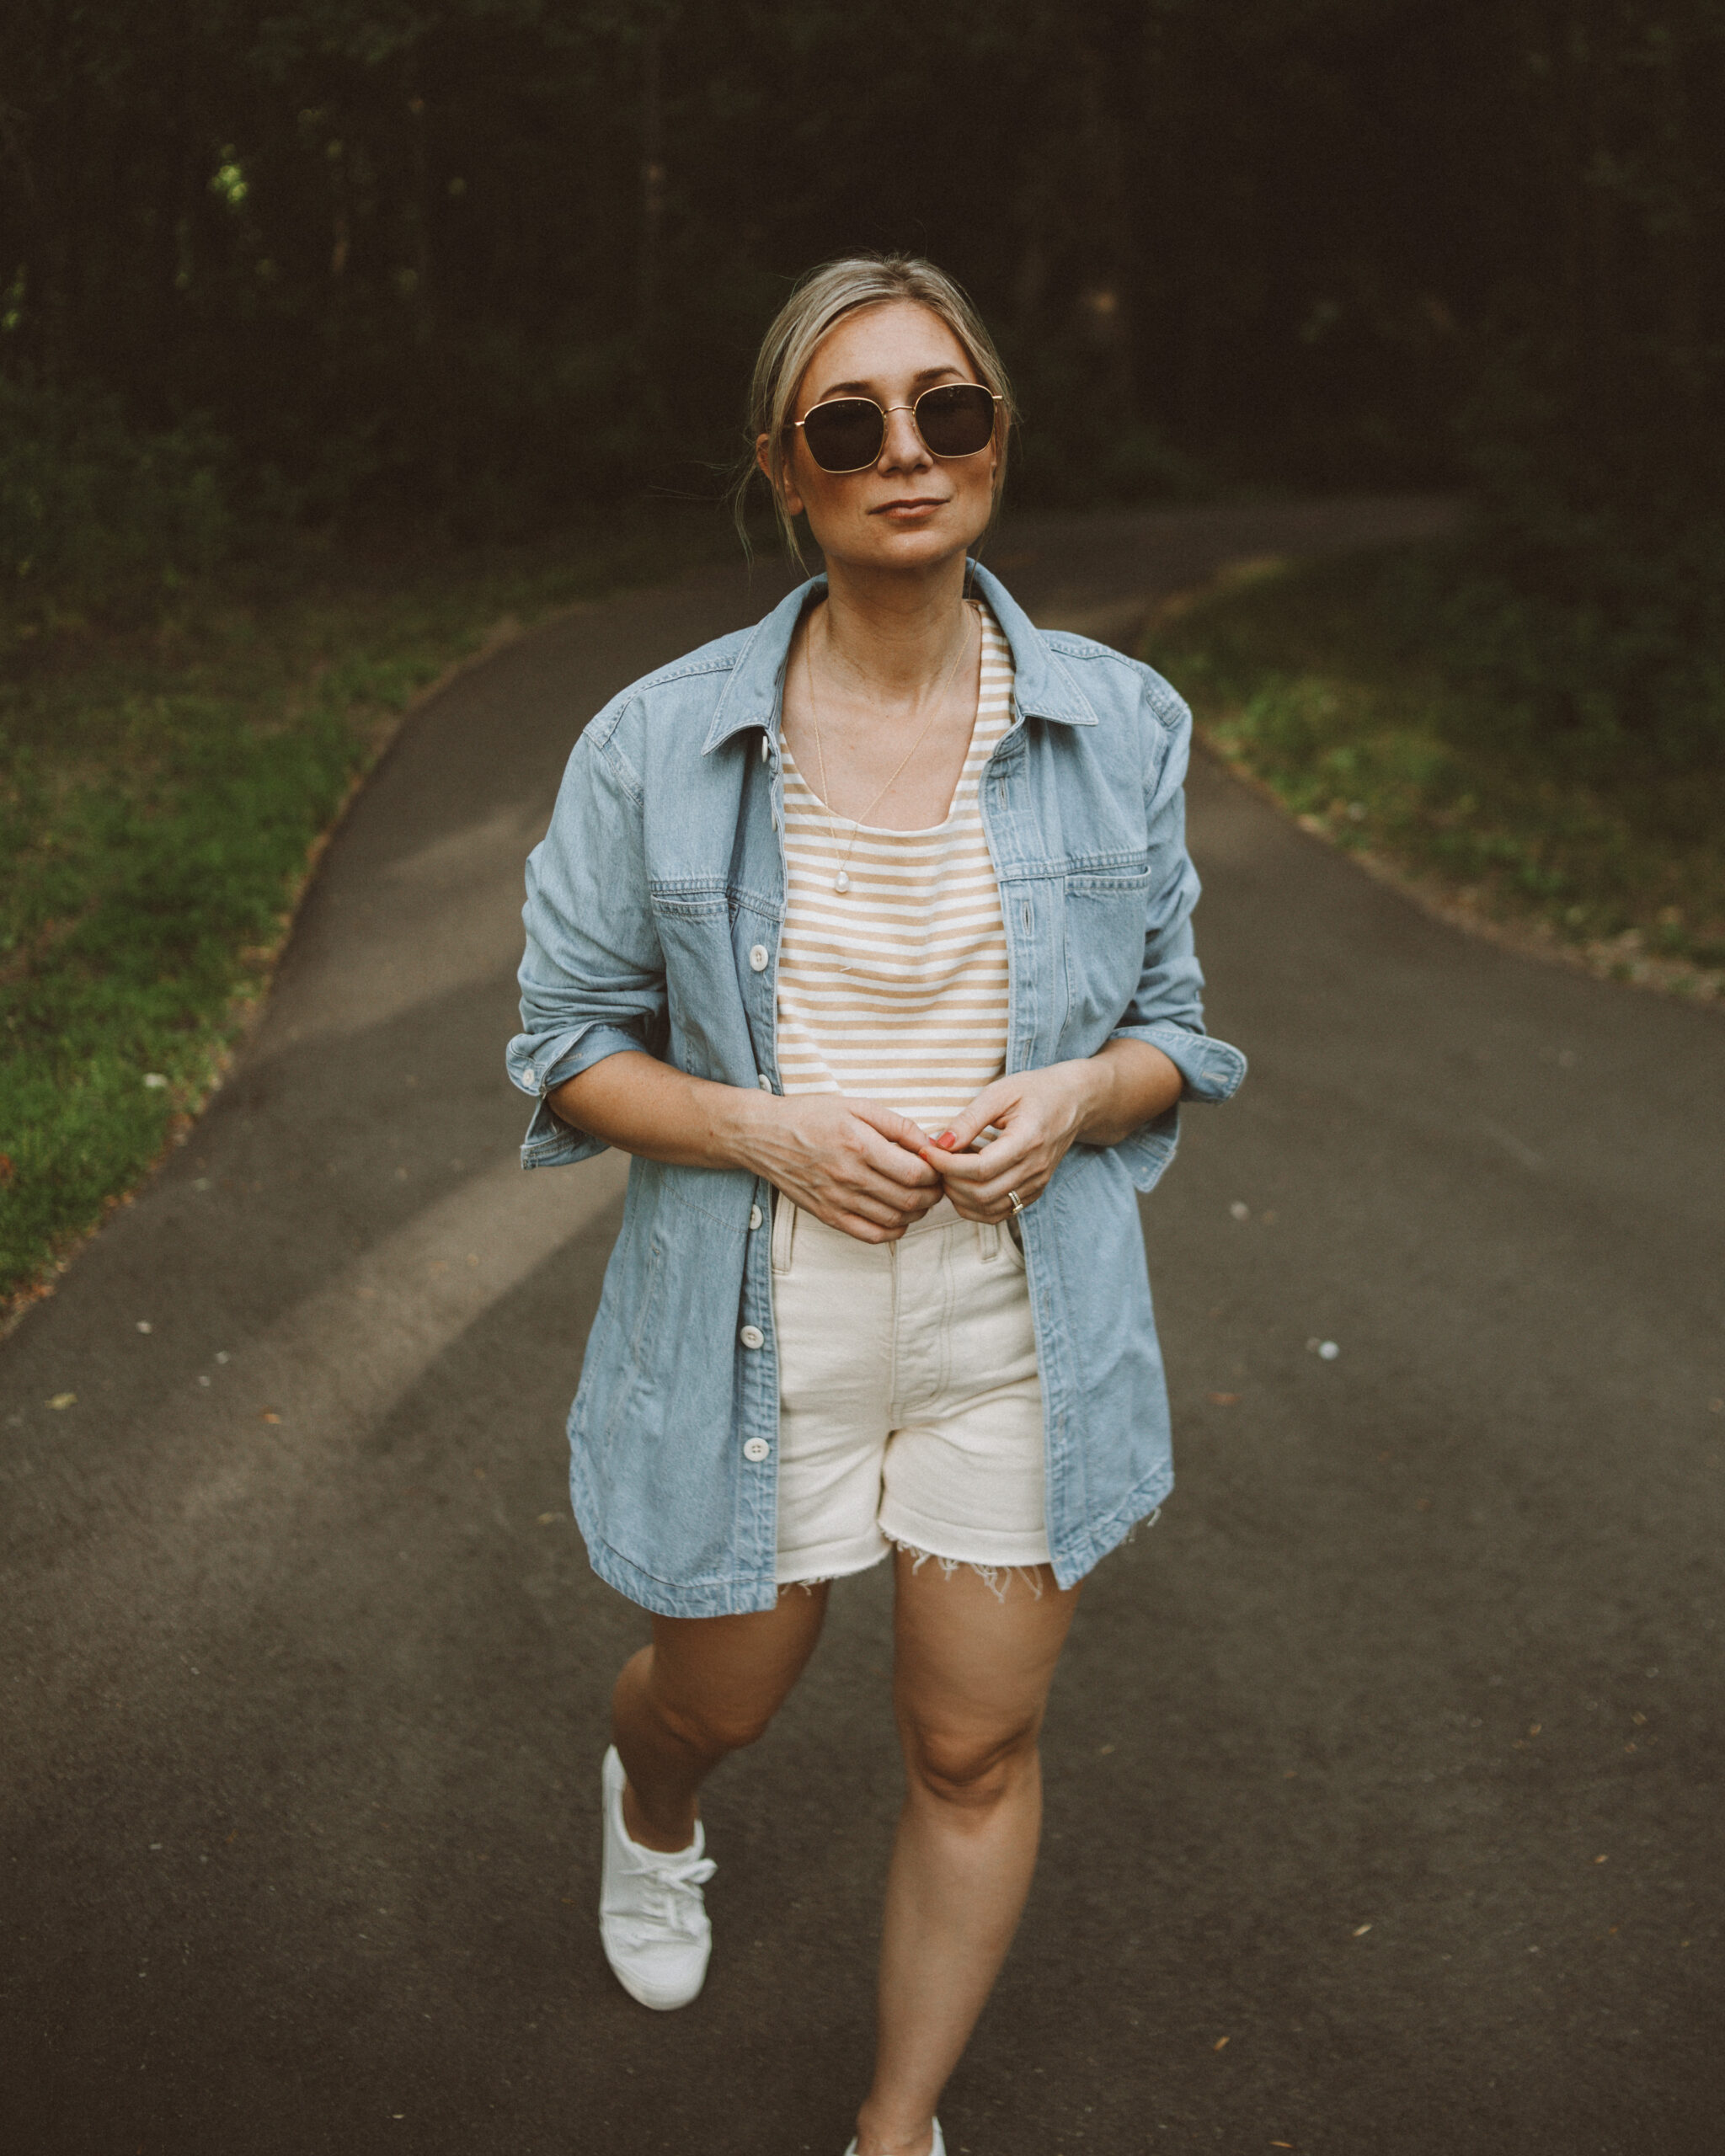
[[671, 1897]]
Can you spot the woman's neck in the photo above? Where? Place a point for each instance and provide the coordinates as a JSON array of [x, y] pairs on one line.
[[893, 636]]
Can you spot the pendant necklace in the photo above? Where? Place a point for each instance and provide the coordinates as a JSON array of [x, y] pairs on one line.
[[842, 881]]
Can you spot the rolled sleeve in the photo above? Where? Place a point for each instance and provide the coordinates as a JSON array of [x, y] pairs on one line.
[[1167, 1009], [592, 978]]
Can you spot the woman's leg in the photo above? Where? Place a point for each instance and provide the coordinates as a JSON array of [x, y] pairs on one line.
[[970, 1682], [706, 1686]]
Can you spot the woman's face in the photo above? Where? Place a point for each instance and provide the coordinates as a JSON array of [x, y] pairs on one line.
[[909, 510]]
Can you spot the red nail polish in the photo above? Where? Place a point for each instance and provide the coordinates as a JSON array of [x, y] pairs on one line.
[[947, 1140]]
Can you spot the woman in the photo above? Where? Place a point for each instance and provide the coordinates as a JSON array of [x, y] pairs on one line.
[[865, 932]]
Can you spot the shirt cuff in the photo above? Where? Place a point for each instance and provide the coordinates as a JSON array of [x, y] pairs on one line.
[[539, 1065], [1211, 1071]]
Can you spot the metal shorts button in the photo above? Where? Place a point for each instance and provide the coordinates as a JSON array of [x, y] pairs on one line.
[[757, 957], [756, 1449], [755, 1216], [751, 1336]]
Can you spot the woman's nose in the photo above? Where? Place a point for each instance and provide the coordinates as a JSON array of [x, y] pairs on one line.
[[903, 448]]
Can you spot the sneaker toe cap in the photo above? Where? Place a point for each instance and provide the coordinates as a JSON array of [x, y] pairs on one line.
[[657, 1973]]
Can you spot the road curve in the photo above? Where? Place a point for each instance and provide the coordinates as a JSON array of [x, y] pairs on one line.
[[1384, 1775]]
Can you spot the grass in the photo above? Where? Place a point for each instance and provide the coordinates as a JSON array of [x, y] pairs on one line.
[[163, 790], [1331, 685]]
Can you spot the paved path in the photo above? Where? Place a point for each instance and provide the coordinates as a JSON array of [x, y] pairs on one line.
[[1384, 1775]]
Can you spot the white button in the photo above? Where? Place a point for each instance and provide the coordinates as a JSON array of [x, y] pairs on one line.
[[755, 1216], [764, 1082], [751, 1336], [766, 750], [756, 1449], [757, 957], [531, 1075]]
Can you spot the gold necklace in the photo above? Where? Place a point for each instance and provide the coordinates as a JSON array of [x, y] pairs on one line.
[[842, 882]]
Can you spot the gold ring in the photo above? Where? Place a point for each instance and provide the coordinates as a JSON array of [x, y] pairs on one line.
[[1017, 1202]]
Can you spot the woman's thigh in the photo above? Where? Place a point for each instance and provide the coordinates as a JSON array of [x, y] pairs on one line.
[[732, 1675], [973, 1666]]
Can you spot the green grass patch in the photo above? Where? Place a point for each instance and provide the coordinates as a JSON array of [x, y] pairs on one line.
[[1335, 684], [161, 788]]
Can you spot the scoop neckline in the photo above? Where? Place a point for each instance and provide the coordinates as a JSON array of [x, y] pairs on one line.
[[919, 831]]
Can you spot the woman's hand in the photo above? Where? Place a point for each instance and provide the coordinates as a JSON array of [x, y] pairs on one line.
[[853, 1164], [1040, 1115]]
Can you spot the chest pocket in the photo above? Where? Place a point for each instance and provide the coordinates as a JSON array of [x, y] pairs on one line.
[[695, 937], [1104, 927]]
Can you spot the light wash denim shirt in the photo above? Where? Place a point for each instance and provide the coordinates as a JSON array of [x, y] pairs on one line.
[[654, 906]]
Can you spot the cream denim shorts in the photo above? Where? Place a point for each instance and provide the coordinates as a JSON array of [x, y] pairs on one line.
[[909, 1408]]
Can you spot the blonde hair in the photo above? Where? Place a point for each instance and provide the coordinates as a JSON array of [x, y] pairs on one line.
[[819, 300]]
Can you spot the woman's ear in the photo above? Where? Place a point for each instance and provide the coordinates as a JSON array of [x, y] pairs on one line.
[[787, 492]]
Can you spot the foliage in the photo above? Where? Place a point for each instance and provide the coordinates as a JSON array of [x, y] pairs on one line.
[[480, 260], [408, 260], [1340, 687], [159, 789], [90, 508], [1595, 641]]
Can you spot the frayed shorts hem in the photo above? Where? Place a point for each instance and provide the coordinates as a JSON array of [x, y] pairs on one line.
[[996, 1576]]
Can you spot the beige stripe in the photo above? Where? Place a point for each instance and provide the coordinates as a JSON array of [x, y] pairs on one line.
[[897, 989]]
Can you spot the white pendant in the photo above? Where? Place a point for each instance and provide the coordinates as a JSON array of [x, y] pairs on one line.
[[842, 882]]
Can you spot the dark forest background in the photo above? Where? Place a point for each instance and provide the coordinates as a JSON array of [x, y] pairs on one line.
[[485, 267]]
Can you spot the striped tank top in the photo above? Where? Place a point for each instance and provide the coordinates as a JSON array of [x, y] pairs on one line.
[[894, 989]]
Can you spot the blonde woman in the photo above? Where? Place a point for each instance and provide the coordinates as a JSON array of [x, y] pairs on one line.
[[865, 932]]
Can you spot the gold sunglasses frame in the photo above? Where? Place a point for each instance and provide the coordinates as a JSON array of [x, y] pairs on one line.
[[886, 411]]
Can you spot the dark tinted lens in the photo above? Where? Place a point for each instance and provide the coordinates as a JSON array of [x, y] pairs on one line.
[[845, 435], [955, 421]]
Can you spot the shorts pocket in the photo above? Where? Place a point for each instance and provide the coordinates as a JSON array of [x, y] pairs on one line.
[[784, 1231], [999, 1241]]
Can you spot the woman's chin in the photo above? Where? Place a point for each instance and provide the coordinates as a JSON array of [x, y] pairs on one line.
[[906, 547]]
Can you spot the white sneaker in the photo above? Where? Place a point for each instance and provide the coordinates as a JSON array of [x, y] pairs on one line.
[[937, 2146], [651, 1918]]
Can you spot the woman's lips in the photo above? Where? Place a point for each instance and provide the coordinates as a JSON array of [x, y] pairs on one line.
[[919, 505]]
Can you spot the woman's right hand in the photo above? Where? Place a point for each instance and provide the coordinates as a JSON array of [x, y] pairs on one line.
[[849, 1162]]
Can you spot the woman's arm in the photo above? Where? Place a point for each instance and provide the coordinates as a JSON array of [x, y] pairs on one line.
[[853, 1164], [1124, 1085]]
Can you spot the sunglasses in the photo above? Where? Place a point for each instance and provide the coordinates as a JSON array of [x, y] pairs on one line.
[[847, 433]]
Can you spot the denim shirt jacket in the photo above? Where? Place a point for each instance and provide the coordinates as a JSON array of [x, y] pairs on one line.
[[654, 906]]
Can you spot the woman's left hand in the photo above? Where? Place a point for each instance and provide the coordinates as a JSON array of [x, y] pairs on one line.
[[1039, 1114]]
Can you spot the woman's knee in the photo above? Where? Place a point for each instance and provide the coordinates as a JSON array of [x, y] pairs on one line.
[[970, 1769], [718, 1726]]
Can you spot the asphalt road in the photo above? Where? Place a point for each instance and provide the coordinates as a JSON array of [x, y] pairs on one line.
[[1383, 1773]]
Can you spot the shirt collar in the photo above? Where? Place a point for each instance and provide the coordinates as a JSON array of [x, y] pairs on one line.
[[1044, 685]]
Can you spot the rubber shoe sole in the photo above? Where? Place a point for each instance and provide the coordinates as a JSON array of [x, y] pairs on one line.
[[937, 2146]]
